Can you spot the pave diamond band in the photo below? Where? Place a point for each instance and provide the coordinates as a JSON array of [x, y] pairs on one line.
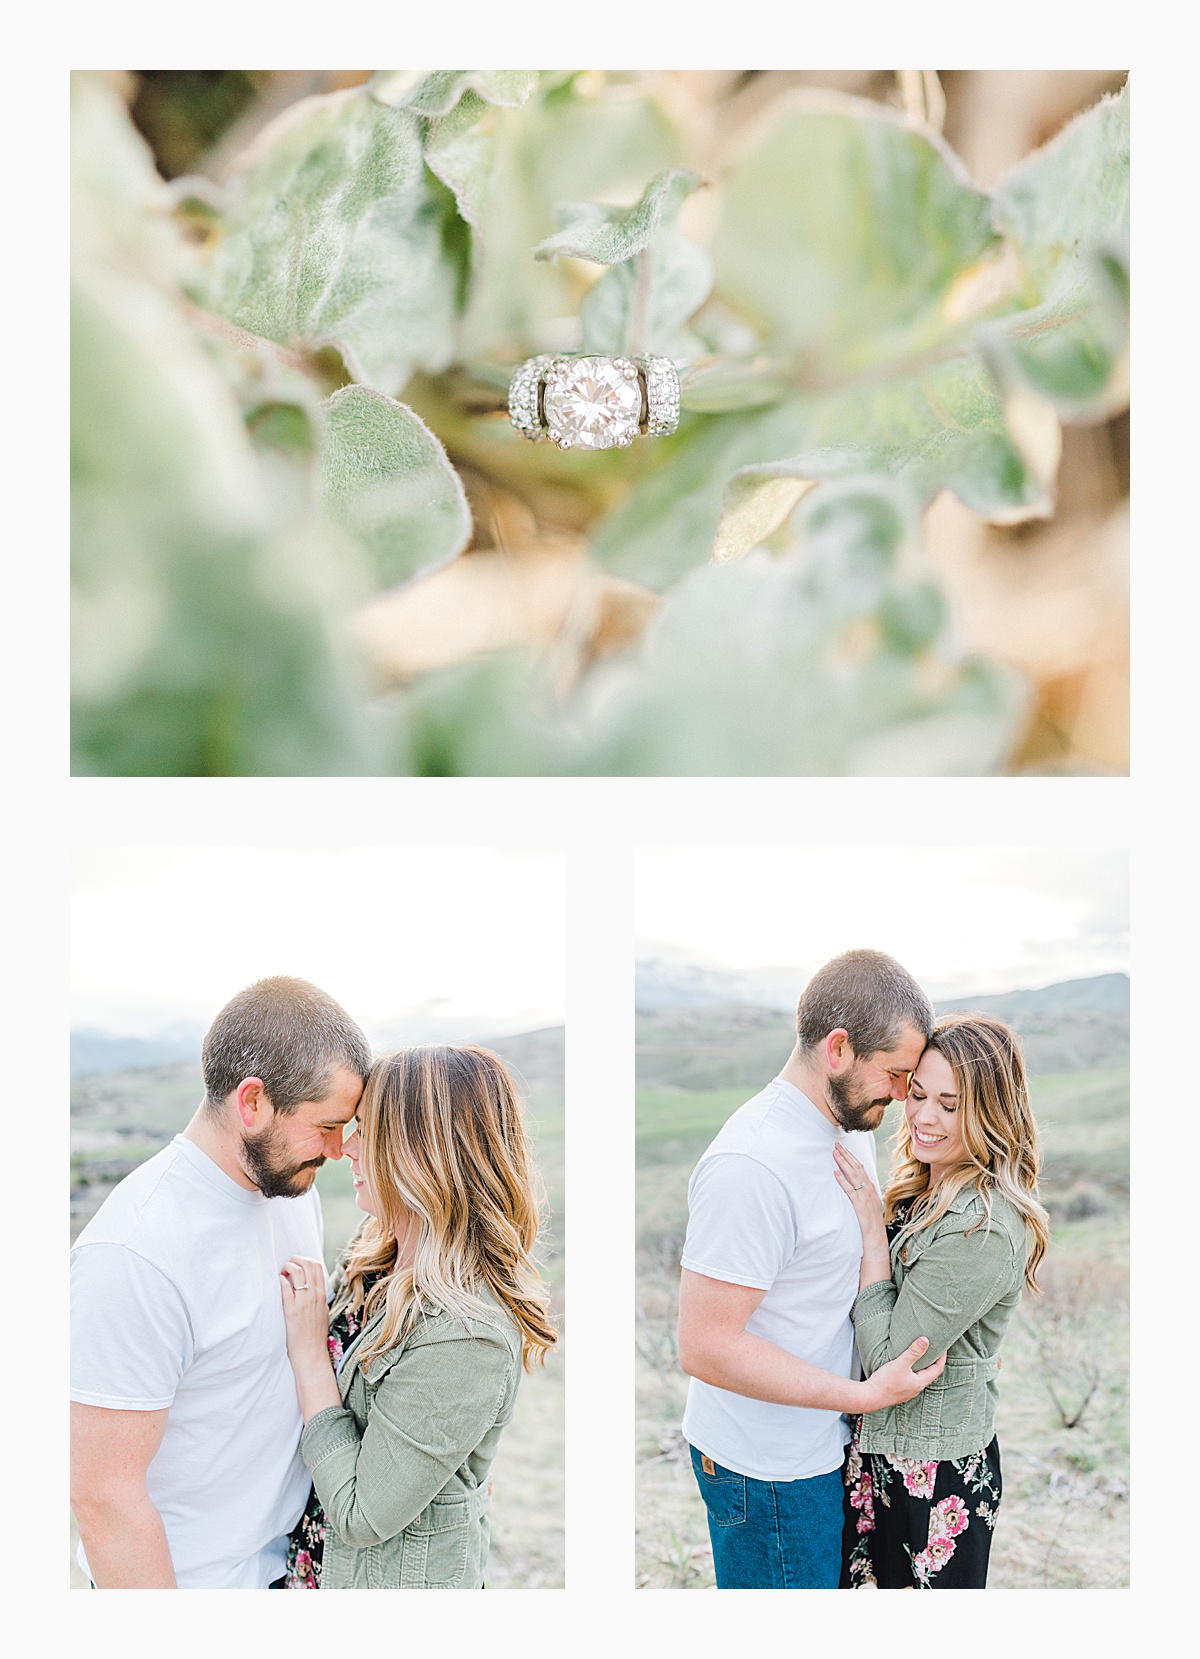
[[525, 395], [662, 396], [585, 401]]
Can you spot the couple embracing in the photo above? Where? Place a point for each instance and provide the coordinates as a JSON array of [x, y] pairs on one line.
[[843, 1344], [240, 1421]]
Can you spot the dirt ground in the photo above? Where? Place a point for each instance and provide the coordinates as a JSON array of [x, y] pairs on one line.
[[1064, 1518]]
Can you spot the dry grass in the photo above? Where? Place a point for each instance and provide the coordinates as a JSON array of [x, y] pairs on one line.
[[1064, 1519], [528, 1538]]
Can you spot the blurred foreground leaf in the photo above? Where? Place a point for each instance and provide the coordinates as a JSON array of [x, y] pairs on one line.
[[829, 660], [205, 618]]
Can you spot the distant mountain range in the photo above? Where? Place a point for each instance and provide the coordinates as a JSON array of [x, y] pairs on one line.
[[1076, 1025], [1102, 994], [96, 1053], [663, 984]]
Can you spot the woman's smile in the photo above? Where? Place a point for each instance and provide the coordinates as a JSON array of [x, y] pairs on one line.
[[926, 1140], [360, 1185], [932, 1113]]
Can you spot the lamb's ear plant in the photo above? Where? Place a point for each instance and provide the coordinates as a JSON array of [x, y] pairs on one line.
[[286, 390]]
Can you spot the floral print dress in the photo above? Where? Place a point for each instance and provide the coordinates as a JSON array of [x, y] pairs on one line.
[[914, 1525], [923, 1526], [307, 1546]]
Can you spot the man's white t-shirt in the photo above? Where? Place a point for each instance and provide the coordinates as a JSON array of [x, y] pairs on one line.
[[175, 1302], [764, 1210]]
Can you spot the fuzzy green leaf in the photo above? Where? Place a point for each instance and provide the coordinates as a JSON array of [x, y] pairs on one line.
[[608, 235], [460, 150], [643, 301], [941, 427], [559, 146], [844, 233], [1065, 210], [436, 94], [632, 310], [385, 477], [338, 236], [493, 717], [1070, 196], [460, 146]]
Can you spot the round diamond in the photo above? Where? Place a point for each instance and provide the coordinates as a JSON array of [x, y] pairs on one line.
[[592, 404]]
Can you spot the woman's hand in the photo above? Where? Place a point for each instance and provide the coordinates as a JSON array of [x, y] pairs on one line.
[[854, 1181], [859, 1189], [306, 1320]]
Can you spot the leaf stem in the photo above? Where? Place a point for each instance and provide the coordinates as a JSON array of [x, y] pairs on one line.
[[635, 333], [922, 96]]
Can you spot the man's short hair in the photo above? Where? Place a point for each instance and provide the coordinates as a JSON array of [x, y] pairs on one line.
[[287, 1033], [866, 994]]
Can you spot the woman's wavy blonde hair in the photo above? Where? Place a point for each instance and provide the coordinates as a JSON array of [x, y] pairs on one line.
[[443, 1142], [999, 1135]]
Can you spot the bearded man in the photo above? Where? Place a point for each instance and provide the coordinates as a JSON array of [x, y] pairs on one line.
[[185, 1425], [770, 1270]]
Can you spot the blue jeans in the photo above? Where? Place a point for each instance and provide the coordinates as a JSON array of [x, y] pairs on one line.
[[772, 1534]]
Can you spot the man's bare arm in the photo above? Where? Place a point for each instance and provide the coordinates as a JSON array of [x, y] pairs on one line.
[[123, 1534], [716, 1347]]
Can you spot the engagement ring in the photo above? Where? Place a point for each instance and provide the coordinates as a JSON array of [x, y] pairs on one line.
[[589, 402]]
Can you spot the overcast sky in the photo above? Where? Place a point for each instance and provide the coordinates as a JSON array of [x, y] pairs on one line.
[[960, 919], [165, 935]]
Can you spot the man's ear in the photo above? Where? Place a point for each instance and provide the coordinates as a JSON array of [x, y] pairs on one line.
[[252, 1102], [838, 1053]]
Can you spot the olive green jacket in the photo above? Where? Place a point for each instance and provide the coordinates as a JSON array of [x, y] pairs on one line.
[[401, 1467], [956, 1283]]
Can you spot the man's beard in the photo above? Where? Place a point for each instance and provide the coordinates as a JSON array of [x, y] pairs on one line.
[[273, 1178], [848, 1106]]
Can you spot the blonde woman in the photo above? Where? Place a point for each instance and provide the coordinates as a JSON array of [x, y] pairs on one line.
[[946, 1253], [408, 1379]]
